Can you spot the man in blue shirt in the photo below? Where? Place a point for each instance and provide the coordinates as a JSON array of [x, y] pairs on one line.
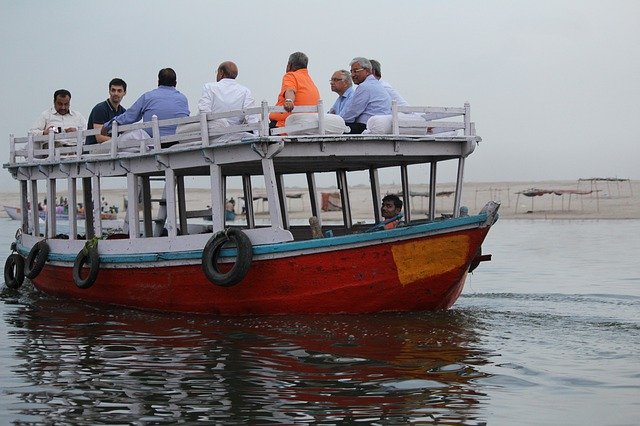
[[342, 84], [106, 110], [164, 102], [369, 98]]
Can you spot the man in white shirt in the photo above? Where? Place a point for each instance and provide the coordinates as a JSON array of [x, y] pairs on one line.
[[377, 73], [225, 94], [59, 118]]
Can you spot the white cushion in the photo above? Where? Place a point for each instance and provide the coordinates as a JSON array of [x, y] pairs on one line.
[[333, 124]]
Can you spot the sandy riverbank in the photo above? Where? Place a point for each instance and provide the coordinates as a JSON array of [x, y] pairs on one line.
[[605, 200]]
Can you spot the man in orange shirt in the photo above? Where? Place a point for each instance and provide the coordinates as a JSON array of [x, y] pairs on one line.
[[297, 89]]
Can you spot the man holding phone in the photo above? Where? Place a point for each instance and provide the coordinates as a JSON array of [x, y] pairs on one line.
[[60, 118]]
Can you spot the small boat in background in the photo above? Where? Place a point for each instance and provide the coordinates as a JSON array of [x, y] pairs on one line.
[[15, 213]]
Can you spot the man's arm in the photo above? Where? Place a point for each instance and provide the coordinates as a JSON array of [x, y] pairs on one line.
[[206, 100], [130, 116], [249, 102], [356, 105], [38, 127]]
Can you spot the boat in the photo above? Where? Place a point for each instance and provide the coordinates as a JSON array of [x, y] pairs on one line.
[[15, 213], [162, 261]]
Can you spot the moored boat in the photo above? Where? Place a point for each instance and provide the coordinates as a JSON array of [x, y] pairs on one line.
[[163, 261]]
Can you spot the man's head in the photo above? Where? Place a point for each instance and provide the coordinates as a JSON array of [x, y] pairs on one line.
[[167, 77], [227, 69], [297, 61], [360, 69], [117, 90], [340, 81], [62, 101], [391, 206], [376, 69]]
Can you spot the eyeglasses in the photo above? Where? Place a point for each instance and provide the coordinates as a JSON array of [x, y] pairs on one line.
[[358, 70], [336, 79]]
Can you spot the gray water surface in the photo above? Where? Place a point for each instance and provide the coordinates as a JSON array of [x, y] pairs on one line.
[[548, 332]]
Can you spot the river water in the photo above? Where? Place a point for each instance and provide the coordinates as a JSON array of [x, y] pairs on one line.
[[547, 333]]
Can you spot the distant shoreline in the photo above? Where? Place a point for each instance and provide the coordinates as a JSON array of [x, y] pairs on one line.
[[598, 200]]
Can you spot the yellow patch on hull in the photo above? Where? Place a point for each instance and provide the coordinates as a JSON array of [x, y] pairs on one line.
[[422, 259]]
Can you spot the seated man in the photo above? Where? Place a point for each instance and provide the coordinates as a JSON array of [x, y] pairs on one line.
[[342, 84], [369, 98], [105, 111], [297, 89], [390, 210], [164, 102], [393, 93], [60, 118], [226, 94]]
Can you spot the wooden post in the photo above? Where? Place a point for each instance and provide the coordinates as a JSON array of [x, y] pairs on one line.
[[170, 198], [404, 176], [132, 206], [432, 190], [313, 196], [248, 201], [97, 206], [35, 213], [217, 198], [51, 208], [375, 194], [271, 185], [71, 208]]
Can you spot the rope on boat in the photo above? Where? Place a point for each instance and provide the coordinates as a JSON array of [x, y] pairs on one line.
[[87, 256]]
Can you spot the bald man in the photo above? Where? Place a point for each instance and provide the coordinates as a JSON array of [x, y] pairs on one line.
[[226, 94]]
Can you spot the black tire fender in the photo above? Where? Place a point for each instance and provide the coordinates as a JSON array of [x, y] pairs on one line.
[[36, 259], [211, 253], [14, 271], [86, 256]]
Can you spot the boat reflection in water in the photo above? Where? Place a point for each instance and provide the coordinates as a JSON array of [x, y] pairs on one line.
[[90, 362]]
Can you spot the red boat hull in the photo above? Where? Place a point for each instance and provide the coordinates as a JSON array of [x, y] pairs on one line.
[[422, 273]]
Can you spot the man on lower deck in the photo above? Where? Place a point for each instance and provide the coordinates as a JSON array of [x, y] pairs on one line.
[[390, 210]]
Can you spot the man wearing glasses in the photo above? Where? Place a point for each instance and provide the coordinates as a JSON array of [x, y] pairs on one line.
[[342, 84], [369, 98]]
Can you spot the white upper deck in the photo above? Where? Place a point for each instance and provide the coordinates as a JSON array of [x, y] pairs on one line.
[[409, 135]]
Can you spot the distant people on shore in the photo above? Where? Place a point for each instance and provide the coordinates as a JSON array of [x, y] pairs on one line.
[[226, 94], [368, 99], [59, 118], [164, 102], [376, 70], [297, 89], [341, 84], [107, 110]]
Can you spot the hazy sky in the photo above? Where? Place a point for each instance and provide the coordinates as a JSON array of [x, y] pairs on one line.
[[554, 85]]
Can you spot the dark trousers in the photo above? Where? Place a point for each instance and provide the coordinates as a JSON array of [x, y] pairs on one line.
[[356, 128]]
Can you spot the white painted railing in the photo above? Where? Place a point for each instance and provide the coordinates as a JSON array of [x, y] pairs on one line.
[[207, 129]]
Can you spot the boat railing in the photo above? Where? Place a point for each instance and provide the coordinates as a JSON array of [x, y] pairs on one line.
[[436, 119], [209, 129]]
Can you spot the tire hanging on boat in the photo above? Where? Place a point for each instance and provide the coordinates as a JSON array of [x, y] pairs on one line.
[[36, 259], [211, 253], [87, 256], [14, 271]]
